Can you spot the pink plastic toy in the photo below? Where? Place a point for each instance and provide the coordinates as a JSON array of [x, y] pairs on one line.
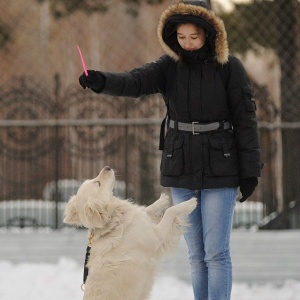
[[82, 62]]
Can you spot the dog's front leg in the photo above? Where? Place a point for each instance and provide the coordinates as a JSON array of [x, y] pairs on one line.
[[173, 223], [156, 210]]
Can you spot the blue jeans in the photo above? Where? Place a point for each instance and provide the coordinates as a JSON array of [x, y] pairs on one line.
[[208, 239]]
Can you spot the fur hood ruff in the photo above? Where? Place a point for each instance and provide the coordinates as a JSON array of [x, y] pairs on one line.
[[185, 9]]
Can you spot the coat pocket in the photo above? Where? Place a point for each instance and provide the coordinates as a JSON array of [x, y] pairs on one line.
[[223, 155], [172, 163]]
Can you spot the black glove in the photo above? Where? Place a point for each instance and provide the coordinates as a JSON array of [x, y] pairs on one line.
[[94, 80], [247, 187]]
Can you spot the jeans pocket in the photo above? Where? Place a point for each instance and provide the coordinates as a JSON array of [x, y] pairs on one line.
[[172, 163], [223, 156]]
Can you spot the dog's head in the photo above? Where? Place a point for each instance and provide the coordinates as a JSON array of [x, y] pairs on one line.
[[94, 204]]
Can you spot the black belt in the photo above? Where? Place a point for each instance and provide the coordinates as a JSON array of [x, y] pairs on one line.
[[197, 128]]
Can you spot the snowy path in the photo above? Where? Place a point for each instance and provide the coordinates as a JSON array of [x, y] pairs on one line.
[[258, 257]]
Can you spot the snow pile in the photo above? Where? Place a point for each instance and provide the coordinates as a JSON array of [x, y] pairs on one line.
[[62, 281]]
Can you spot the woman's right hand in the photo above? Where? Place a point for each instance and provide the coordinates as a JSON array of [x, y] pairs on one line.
[[95, 81]]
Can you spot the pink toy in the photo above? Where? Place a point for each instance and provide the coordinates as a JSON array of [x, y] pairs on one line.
[[82, 62]]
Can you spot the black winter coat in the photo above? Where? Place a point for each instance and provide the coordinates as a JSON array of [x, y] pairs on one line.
[[208, 90]]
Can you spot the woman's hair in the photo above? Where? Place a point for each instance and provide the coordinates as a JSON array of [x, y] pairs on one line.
[[183, 23]]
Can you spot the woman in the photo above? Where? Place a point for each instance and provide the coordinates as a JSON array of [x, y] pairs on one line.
[[211, 146]]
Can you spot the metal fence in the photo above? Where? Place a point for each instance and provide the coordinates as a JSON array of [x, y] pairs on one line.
[[52, 130]]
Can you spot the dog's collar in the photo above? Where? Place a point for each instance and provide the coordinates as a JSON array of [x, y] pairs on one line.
[[87, 256], [91, 235]]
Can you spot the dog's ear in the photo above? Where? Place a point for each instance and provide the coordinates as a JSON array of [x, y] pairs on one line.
[[71, 213], [95, 213]]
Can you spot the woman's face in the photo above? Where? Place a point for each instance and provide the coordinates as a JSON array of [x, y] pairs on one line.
[[190, 37]]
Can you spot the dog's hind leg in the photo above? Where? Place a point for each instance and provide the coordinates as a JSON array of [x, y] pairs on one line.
[[156, 210]]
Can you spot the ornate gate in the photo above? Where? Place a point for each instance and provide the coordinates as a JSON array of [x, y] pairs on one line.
[[50, 137]]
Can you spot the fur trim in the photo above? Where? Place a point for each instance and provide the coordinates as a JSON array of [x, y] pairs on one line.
[[221, 44]]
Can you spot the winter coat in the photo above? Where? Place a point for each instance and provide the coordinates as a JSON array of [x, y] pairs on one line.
[[214, 89]]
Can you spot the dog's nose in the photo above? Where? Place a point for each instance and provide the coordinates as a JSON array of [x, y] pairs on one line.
[[106, 168]]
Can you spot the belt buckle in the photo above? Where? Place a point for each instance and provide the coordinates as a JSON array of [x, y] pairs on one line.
[[193, 127]]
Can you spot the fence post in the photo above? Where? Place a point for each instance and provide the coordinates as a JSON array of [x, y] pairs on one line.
[[126, 152], [57, 196]]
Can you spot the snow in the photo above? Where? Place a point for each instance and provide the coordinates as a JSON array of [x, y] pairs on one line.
[[62, 281]]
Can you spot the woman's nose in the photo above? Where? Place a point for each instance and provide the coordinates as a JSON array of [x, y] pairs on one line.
[[188, 44]]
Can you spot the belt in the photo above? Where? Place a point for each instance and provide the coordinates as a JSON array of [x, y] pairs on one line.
[[197, 128]]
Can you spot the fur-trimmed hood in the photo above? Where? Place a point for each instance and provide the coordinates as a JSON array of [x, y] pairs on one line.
[[196, 12]]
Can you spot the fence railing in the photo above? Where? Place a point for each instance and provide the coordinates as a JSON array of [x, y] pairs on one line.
[[121, 122]]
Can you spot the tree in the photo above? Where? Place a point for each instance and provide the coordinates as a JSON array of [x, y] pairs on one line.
[[251, 24], [5, 34], [63, 8]]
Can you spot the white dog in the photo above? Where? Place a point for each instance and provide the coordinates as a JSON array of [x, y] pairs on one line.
[[126, 239]]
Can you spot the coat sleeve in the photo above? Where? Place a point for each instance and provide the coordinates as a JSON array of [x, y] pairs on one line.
[[145, 80], [243, 115]]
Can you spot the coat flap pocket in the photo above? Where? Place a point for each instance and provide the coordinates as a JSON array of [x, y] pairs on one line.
[[219, 143]]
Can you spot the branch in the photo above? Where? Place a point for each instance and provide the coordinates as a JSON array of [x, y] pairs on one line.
[[64, 8]]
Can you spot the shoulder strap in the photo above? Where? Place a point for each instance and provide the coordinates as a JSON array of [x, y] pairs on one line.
[[162, 132]]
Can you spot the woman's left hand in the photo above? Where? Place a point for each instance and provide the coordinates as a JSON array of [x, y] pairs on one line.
[[247, 187]]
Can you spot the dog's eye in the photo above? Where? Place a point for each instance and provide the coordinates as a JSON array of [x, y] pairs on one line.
[[98, 183]]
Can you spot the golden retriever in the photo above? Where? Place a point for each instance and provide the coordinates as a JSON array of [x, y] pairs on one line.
[[127, 240]]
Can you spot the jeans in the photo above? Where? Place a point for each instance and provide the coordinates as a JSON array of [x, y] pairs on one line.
[[208, 238]]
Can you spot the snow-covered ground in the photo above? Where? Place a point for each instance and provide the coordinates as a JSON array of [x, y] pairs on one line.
[[62, 280], [43, 264]]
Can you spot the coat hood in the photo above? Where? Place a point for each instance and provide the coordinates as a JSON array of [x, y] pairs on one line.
[[198, 13]]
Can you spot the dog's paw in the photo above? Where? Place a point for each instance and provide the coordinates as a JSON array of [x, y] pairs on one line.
[[190, 205]]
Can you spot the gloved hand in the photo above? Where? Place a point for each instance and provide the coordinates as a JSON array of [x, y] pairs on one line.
[[94, 80], [247, 187]]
